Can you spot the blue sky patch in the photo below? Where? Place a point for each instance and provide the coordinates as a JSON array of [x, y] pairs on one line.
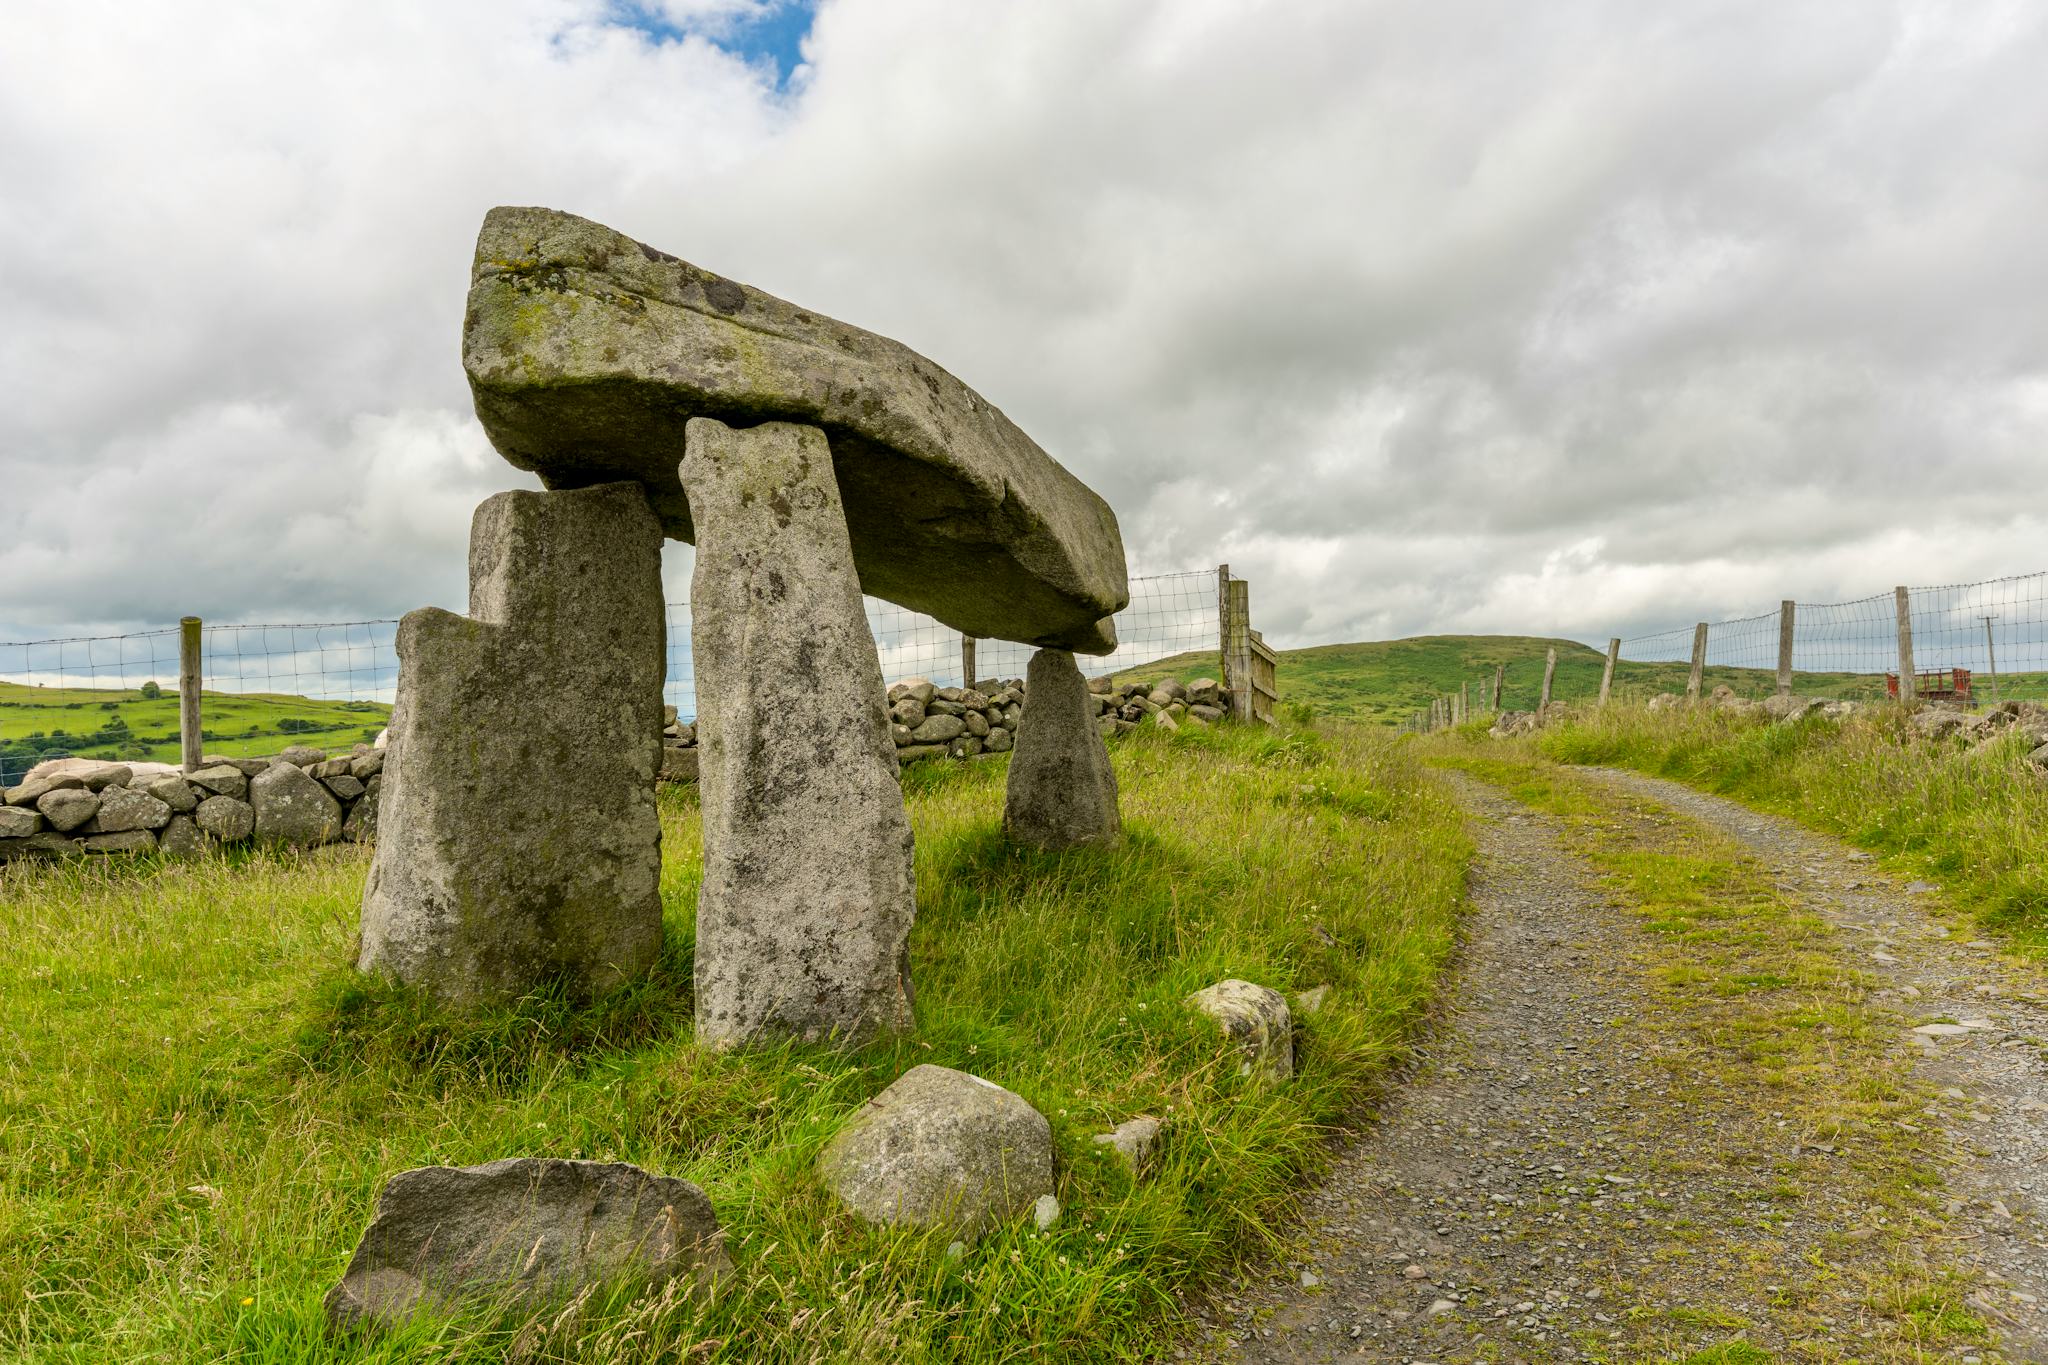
[[773, 31]]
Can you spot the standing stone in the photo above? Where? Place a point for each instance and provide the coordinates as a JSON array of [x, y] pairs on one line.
[[293, 809], [479, 889], [524, 1232], [1062, 791], [803, 922]]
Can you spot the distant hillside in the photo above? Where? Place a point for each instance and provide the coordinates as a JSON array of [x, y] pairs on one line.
[[40, 722], [1390, 680]]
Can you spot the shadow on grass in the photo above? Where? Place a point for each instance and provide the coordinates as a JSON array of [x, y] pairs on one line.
[[357, 1024]]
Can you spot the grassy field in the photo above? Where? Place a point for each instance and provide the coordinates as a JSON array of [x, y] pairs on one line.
[[1388, 681], [123, 724], [1974, 820], [198, 1098]]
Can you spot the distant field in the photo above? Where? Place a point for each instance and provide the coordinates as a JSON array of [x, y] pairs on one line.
[[1390, 680], [120, 723]]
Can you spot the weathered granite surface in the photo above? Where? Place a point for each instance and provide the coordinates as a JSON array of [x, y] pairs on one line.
[[588, 351], [551, 686], [803, 921]]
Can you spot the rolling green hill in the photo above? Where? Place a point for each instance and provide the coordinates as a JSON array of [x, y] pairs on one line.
[[39, 722], [1390, 680]]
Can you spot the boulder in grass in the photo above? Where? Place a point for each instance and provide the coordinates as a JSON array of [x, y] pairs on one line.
[[293, 809], [1205, 692], [1134, 1142], [1256, 1020], [524, 1233], [941, 1149]]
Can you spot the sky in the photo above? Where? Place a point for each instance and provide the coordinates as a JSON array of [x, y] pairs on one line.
[[1584, 318]]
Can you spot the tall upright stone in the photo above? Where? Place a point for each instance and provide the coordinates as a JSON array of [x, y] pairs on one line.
[[803, 922], [518, 843], [1062, 791]]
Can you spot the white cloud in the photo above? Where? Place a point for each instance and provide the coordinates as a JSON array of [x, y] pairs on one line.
[[1559, 318]]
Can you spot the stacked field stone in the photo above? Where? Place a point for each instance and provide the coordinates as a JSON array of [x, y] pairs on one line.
[[927, 721], [298, 799]]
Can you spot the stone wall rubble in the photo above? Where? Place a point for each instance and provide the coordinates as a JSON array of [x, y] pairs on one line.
[[303, 797]]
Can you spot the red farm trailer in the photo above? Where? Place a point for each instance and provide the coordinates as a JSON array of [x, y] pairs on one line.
[[1941, 684]]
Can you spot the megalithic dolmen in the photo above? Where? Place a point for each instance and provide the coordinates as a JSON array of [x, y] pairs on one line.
[[835, 462]]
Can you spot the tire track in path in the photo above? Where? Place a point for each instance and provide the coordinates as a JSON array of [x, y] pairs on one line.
[[1554, 1183]]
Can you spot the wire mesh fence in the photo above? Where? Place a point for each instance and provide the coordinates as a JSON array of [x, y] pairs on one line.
[[332, 684], [1982, 642], [1168, 615]]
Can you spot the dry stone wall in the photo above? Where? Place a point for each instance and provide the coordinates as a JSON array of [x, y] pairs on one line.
[[928, 722], [301, 798]]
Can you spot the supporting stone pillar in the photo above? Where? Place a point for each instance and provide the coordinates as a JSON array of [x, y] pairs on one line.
[[1062, 791], [1549, 677], [517, 840], [803, 922]]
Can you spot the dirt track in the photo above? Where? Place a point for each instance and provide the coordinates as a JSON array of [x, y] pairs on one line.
[[1540, 1190]]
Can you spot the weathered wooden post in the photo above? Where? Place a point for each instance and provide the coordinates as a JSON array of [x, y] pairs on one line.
[[1699, 662], [967, 661], [1907, 682], [1607, 672], [1991, 651], [1464, 702], [1549, 676], [1500, 674], [191, 741], [1787, 611], [1237, 648]]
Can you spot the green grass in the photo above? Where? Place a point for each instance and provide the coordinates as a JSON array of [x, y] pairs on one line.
[[198, 1098], [122, 724], [1388, 681], [1972, 819]]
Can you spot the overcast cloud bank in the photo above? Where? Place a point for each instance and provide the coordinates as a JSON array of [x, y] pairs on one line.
[[1571, 319]]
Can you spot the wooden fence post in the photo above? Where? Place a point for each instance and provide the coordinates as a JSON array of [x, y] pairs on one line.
[[1607, 673], [190, 740], [1237, 647], [967, 661], [1549, 676], [1464, 702], [1908, 684], [1787, 628], [1500, 674], [1699, 662]]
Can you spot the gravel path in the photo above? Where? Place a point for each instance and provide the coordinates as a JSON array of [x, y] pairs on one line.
[[1536, 1192], [1980, 1024]]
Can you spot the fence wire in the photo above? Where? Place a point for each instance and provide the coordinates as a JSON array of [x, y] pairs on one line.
[[1168, 615], [1996, 630], [331, 685]]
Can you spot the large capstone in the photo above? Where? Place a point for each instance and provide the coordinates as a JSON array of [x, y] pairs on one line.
[[586, 352], [517, 837], [524, 1233], [803, 922], [941, 1149], [1062, 791]]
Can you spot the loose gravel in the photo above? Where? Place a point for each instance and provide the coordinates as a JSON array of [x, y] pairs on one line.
[[1536, 1191]]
